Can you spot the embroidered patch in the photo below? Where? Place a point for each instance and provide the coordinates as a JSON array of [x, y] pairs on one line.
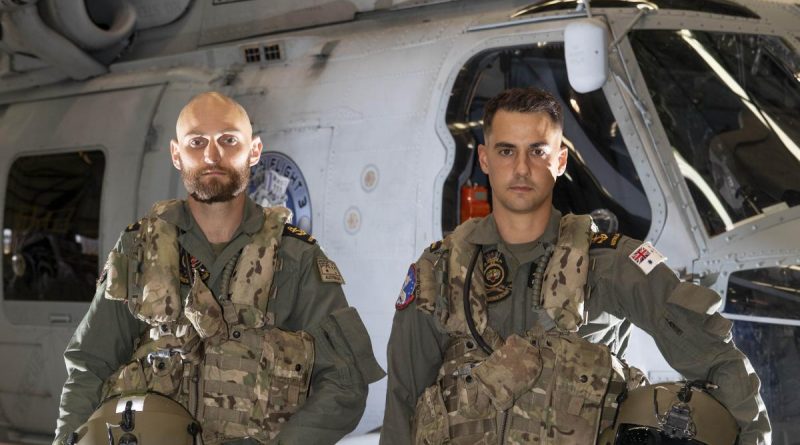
[[605, 240], [328, 272], [296, 232], [495, 273], [647, 257], [188, 264], [409, 291], [435, 246]]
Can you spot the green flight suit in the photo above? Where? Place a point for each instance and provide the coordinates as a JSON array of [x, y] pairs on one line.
[[343, 367], [681, 317]]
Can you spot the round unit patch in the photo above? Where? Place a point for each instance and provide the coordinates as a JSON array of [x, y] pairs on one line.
[[277, 181]]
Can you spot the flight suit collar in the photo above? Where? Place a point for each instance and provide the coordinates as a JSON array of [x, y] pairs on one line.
[[486, 233], [181, 216], [194, 241]]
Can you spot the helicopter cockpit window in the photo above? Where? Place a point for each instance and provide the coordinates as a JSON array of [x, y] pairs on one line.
[[600, 177], [50, 227], [773, 349], [728, 103]]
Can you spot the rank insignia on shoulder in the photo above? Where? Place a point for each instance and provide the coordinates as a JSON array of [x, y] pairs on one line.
[[296, 232], [435, 246], [647, 257], [133, 227], [409, 291], [605, 240], [328, 272]]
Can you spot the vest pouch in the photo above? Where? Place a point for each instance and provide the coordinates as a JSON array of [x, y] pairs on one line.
[[163, 372], [429, 426], [129, 378], [156, 372], [203, 310], [509, 372], [283, 377], [582, 374], [471, 415]]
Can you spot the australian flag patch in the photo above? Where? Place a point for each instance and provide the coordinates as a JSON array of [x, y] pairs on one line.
[[409, 290]]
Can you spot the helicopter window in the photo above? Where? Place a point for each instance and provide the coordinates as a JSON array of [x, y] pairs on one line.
[[728, 103], [773, 349], [709, 6], [600, 177], [50, 226]]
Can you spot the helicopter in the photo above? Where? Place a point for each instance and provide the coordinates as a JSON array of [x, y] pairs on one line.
[[682, 121]]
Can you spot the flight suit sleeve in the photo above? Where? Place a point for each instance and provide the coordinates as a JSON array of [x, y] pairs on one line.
[[344, 363], [103, 341], [415, 353], [683, 320]]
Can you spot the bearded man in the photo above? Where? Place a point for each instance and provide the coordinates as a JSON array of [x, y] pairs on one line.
[[222, 306]]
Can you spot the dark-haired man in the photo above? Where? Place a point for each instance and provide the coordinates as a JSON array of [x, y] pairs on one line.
[[223, 306], [504, 331]]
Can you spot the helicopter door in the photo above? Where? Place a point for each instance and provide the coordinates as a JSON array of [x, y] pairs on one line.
[[65, 173]]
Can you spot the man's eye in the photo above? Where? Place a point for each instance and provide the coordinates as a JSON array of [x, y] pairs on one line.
[[539, 152], [197, 142], [506, 152], [228, 140]]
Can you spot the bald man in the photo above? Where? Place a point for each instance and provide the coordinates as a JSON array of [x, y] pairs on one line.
[[222, 306]]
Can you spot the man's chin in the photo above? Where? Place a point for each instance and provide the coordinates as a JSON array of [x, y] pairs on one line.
[[212, 199]]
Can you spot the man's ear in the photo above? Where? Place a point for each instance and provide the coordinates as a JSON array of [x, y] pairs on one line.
[[562, 159], [255, 150], [175, 154], [482, 158]]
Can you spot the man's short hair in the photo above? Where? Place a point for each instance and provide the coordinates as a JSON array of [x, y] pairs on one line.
[[523, 100]]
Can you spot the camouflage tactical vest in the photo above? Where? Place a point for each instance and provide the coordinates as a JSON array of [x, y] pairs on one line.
[[544, 387], [221, 358]]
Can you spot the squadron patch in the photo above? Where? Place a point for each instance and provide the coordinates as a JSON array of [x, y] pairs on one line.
[[296, 232], [605, 240], [647, 257], [189, 264], [328, 272], [409, 291], [495, 273]]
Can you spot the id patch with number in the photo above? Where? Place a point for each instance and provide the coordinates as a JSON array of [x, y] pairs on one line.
[[409, 290], [328, 272], [647, 257]]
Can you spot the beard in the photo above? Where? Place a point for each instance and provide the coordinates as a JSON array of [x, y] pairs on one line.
[[213, 189]]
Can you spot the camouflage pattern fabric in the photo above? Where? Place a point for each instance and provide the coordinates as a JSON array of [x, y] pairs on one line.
[[159, 281], [563, 288], [253, 377], [456, 255], [550, 387]]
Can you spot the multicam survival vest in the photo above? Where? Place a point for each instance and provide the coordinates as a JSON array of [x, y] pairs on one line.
[[549, 386], [222, 359]]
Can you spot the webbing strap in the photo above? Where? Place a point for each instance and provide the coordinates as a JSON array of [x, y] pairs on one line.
[[229, 389], [471, 427]]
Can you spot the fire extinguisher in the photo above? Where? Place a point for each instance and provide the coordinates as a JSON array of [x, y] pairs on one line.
[[474, 201]]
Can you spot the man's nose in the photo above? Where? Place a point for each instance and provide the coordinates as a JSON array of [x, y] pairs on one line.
[[211, 155], [521, 167]]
